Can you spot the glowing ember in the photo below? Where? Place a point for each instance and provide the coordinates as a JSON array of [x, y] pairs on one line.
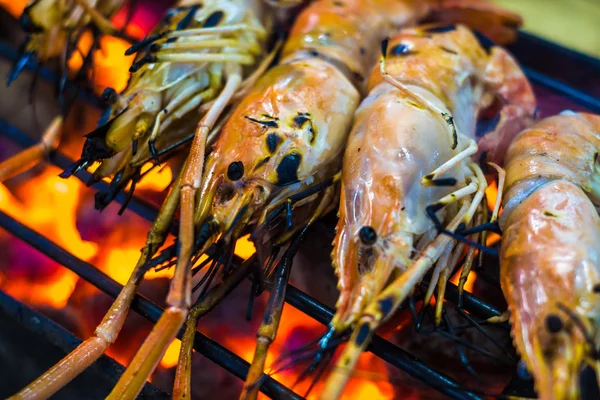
[[244, 247], [172, 354], [110, 62], [13, 7], [157, 180], [491, 194], [49, 204]]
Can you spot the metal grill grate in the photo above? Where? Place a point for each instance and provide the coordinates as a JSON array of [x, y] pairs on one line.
[[567, 87]]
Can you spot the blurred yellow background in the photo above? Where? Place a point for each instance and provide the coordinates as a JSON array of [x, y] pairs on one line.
[[572, 23]]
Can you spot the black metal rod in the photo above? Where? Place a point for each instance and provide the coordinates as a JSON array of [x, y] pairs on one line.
[[588, 101], [48, 331], [137, 205], [207, 347], [383, 349]]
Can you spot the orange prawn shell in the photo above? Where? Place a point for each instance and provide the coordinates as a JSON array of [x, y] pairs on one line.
[[345, 31], [550, 254], [302, 108], [435, 62]]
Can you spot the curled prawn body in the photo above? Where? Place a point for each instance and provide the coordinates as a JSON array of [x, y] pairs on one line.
[[408, 175], [550, 255], [54, 26]]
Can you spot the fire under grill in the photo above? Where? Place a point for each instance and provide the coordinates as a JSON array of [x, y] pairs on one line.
[[562, 79]]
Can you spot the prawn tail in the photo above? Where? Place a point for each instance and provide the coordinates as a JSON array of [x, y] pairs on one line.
[[515, 106]]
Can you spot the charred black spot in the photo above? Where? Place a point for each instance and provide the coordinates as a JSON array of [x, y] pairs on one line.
[[95, 147], [441, 29], [363, 51], [287, 171], [273, 141], [338, 4], [363, 332], [109, 96], [443, 182], [187, 20], [447, 50], [484, 41], [147, 59], [367, 235], [357, 76], [299, 120], [140, 45], [235, 171], [595, 157], [597, 288], [553, 323], [385, 305], [262, 162], [550, 214], [401, 49], [450, 121], [214, 19], [384, 46], [27, 23], [266, 124]]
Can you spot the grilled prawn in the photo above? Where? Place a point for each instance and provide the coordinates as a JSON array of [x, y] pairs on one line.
[[200, 50], [550, 255], [408, 173], [54, 27]]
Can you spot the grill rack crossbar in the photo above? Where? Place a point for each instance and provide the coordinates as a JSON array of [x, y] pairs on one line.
[[295, 297]]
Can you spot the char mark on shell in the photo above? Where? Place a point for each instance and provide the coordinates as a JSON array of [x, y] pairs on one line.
[[287, 170]]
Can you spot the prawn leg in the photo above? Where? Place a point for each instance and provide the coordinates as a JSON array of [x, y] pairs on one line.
[[267, 331], [429, 180], [182, 385], [106, 333], [179, 298], [382, 307], [29, 157]]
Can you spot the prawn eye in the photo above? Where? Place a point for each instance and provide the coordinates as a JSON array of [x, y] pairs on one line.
[[553, 323], [367, 235], [235, 171]]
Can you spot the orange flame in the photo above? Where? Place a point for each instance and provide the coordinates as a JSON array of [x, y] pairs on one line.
[[171, 356], [109, 61], [292, 319], [48, 205], [13, 7]]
